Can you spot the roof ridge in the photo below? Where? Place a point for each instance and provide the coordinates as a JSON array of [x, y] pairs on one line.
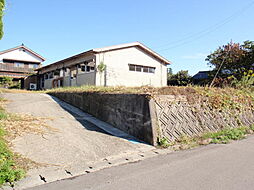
[[25, 47]]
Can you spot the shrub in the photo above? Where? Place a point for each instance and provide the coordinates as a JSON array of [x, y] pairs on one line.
[[247, 80], [182, 78]]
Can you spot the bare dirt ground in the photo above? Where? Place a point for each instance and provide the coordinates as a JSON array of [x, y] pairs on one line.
[[70, 146]]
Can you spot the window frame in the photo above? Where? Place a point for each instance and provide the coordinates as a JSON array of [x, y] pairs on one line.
[[138, 68], [141, 68], [18, 65]]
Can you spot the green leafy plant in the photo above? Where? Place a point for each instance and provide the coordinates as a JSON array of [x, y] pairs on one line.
[[2, 5], [181, 78], [221, 137], [163, 142], [226, 135], [247, 80], [16, 85], [9, 171], [101, 67], [6, 81]]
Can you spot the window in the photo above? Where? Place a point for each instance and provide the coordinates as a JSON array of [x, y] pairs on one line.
[[145, 69], [87, 69], [83, 68], [151, 70], [132, 67], [140, 68], [33, 66], [16, 64], [57, 73], [51, 75]]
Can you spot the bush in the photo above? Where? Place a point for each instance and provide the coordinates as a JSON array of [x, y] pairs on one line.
[[6, 81], [247, 80], [15, 85], [182, 78]]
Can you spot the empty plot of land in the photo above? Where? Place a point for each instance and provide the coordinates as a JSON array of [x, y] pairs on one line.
[[72, 145]]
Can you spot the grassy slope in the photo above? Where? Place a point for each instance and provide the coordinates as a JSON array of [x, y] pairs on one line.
[[216, 98]]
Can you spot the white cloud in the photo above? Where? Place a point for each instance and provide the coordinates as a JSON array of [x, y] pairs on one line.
[[196, 56]]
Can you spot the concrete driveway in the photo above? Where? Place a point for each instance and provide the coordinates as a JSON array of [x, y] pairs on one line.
[[77, 144]]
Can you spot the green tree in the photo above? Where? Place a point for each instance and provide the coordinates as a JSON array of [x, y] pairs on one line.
[[169, 73], [181, 78], [2, 4], [232, 59], [101, 68], [6, 81]]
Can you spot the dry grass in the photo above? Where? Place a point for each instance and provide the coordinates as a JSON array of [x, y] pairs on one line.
[[6, 90], [17, 125], [25, 163], [20, 124], [218, 98], [172, 90], [169, 90]]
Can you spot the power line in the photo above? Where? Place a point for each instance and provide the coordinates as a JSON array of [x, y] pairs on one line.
[[206, 31], [215, 76]]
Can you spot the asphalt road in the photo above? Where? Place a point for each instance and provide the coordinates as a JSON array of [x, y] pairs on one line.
[[222, 167]]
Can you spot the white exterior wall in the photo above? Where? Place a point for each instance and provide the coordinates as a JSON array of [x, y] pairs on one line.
[[19, 54], [118, 74]]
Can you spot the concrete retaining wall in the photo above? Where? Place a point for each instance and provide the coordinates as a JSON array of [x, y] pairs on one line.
[[162, 116], [127, 112]]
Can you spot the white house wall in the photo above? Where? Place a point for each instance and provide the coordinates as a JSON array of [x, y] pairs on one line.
[[118, 74], [19, 54]]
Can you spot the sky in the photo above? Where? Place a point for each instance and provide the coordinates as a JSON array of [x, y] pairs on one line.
[[184, 32]]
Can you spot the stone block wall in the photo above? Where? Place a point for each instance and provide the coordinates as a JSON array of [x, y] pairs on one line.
[[176, 117]]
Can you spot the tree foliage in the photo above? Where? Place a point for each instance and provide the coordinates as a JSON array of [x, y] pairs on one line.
[[101, 67], [5, 81], [2, 4], [181, 78], [236, 58]]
